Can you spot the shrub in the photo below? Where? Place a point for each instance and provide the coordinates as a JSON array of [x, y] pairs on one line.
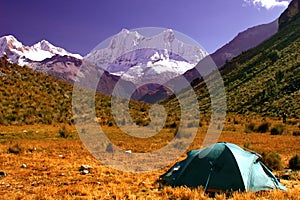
[[141, 122], [179, 145], [64, 133], [194, 123], [296, 133], [16, 149], [277, 130], [110, 124], [272, 160], [183, 134], [294, 162], [247, 145], [263, 128], [250, 128], [172, 125], [235, 121]]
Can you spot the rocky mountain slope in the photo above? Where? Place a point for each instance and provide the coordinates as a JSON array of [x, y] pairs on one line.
[[244, 41], [290, 13]]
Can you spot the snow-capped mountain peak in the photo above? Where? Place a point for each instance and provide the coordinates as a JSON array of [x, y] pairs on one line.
[[9, 41], [44, 45], [22, 55], [47, 46], [139, 59]]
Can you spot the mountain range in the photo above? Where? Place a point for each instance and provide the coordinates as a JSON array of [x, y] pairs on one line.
[[137, 60], [22, 55], [130, 57], [261, 80], [147, 62]]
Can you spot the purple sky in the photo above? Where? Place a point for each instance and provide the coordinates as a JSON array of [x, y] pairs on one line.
[[78, 25]]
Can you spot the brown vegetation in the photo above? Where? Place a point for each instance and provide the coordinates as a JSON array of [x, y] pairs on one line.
[[52, 163]]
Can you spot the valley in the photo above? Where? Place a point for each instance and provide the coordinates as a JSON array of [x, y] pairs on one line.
[[43, 151]]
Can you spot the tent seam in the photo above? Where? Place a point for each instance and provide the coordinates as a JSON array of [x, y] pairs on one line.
[[236, 164]]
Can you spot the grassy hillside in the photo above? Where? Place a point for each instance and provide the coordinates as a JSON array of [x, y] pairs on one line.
[[30, 97], [264, 80]]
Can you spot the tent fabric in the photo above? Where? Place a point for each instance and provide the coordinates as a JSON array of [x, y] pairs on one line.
[[222, 167]]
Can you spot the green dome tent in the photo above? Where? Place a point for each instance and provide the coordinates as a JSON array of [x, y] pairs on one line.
[[222, 167]]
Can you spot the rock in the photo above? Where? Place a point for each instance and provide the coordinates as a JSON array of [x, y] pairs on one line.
[[288, 15], [3, 174], [32, 149], [85, 169], [84, 172], [109, 148], [289, 171], [61, 156], [288, 175], [24, 165], [3, 74], [128, 151]]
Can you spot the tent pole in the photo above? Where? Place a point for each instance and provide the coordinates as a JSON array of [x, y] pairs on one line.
[[208, 179]]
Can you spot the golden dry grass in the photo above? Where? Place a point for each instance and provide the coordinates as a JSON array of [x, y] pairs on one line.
[[52, 169]]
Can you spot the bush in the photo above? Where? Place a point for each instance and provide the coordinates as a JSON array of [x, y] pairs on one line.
[[141, 122], [183, 134], [194, 123], [172, 125], [247, 145], [296, 133], [272, 160], [235, 121], [294, 162], [16, 149], [250, 128], [64, 133], [263, 128], [110, 124], [277, 130]]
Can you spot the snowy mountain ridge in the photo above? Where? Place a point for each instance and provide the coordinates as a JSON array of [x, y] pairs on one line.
[[142, 59], [22, 55]]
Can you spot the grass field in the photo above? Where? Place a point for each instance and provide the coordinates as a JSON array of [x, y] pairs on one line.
[[52, 163]]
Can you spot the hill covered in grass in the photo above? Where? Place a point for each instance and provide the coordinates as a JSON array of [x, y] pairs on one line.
[[264, 80], [30, 97]]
